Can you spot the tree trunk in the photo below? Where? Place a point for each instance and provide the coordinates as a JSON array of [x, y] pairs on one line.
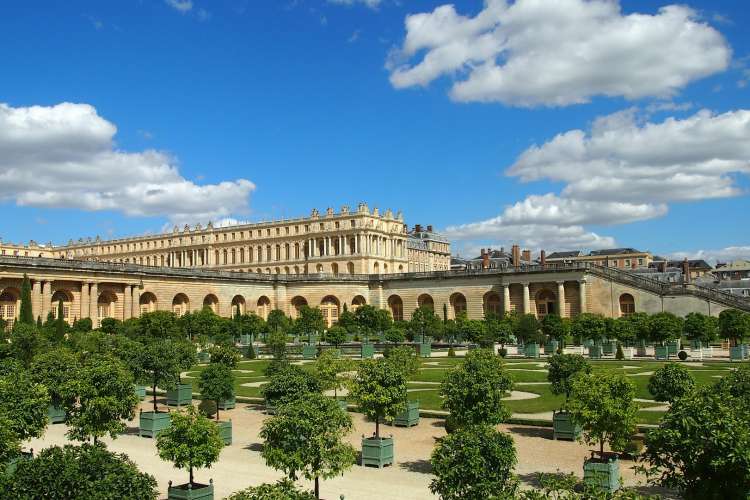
[[217, 410], [191, 475], [154, 389], [601, 448], [377, 426], [317, 488]]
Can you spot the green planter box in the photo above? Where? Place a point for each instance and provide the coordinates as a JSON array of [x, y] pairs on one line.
[[745, 351], [531, 350], [563, 427], [150, 423], [343, 404], [551, 347], [270, 409], [697, 344], [246, 339], [602, 473], [673, 347], [228, 404], [309, 352], [595, 351], [608, 347], [12, 464], [55, 414], [661, 352], [410, 417], [204, 357], [367, 351], [140, 391], [736, 353], [186, 492], [377, 451], [225, 431], [181, 396], [425, 350]]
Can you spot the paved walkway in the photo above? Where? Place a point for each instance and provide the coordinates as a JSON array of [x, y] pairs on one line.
[[241, 464]]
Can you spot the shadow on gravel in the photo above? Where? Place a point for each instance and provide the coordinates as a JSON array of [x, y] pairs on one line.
[[254, 447], [537, 432], [421, 466]]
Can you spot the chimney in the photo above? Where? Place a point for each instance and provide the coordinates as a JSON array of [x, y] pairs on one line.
[[543, 258], [635, 264], [526, 255], [417, 228], [516, 254], [429, 228], [485, 260], [686, 270], [663, 266]]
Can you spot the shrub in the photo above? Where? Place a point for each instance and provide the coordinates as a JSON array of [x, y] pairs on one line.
[[562, 370], [451, 353], [288, 383], [619, 355], [670, 382], [282, 490], [503, 352], [380, 391], [404, 359]]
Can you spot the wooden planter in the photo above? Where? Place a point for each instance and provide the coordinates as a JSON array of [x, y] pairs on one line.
[[228, 404], [270, 409], [181, 396], [736, 353], [595, 351], [152, 423], [140, 391], [425, 350], [56, 414], [204, 357], [531, 350], [410, 417], [608, 348], [672, 347], [12, 464], [661, 352], [343, 404], [377, 452], [246, 339], [563, 427], [367, 351], [551, 347], [309, 352], [225, 431], [191, 492], [604, 473]]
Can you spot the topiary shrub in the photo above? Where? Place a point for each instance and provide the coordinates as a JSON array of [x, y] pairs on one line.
[[451, 353], [503, 352], [619, 355], [207, 408], [671, 382]]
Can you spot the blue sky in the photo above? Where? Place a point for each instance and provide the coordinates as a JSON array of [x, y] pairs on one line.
[[315, 103]]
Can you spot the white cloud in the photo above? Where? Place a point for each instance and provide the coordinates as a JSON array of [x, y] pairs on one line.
[[182, 6], [373, 4], [557, 53], [63, 156], [726, 254]]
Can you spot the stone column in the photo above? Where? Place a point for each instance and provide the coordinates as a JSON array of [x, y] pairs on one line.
[[85, 301], [526, 300], [127, 302], [506, 298], [46, 286], [561, 298], [356, 244], [136, 302], [93, 309], [36, 299], [582, 295], [135, 309]]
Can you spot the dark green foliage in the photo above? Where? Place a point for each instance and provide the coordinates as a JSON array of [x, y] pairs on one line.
[[204, 322], [216, 383], [498, 329], [671, 382], [394, 335], [23, 409], [474, 463], [563, 368], [25, 315], [734, 324], [279, 322], [619, 355], [701, 327], [474, 390], [86, 471], [665, 326], [61, 326], [553, 327], [83, 325], [158, 365], [371, 320], [208, 408], [380, 390], [281, 490], [276, 342], [336, 335], [186, 355], [158, 325], [110, 325], [404, 359], [306, 437], [589, 326], [288, 383], [25, 342], [526, 329], [227, 355], [58, 371], [424, 322]]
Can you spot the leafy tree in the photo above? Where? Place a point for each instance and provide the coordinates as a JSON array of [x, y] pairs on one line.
[[498, 329], [289, 383], [306, 437], [563, 368], [473, 391], [226, 355], [192, 324], [105, 398], [110, 325], [58, 371], [328, 366], [734, 325], [423, 321], [394, 335], [701, 447], [83, 325], [471, 329], [603, 405], [25, 342], [277, 344], [553, 327], [23, 410], [348, 321], [281, 490], [217, 384], [671, 382], [404, 359], [639, 324], [701, 328], [61, 326], [191, 441], [25, 314], [622, 329], [86, 471], [589, 326], [279, 322], [186, 356], [665, 326], [251, 324], [474, 463], [159, 366], [159, 325], [526, 328], [336, 335], [737, 385], [380, 391]]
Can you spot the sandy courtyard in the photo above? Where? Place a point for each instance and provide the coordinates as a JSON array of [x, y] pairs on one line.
[[241, 465]]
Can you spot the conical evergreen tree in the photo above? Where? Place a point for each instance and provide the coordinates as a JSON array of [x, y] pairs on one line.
[[60, 323], [26, 315], [38, 321]]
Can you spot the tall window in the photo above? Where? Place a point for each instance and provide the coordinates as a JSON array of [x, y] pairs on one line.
[[627, 304]]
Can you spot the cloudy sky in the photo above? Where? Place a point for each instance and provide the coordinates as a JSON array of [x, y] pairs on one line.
[[557, 124]]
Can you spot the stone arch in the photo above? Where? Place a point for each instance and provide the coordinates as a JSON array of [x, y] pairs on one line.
[[67, 299], [212, 302], [106, 305], [296, 269], [10, 305], [492, 304], [335, 269], [396, 306], [376, 268], [627, 304], [263, 307], [180, 304], [458, 304], [350, 267], [425, 300], [297, 303], [319, 268], [238, 301], [329, 306], [147, 303], [546, 302], [385, 268], [357, 302]]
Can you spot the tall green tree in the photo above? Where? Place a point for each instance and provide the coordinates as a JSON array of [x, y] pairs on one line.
[[159, 325], [701, 328], [424, 322], [159, 366], [58, 370], [474, 463], [380, 391], [671, 382], [329, 365], [278, 321], [217, 384], [473, 391], [23, 410], [563, 368], [288, 383], [307, 437], [371, 320], [527, 329], [335, 335], [553, 327], [664, 327], [404, 359], [26, 316], [589, 326], [309, 322], [191, 441], [25, 342], [734, 325]]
